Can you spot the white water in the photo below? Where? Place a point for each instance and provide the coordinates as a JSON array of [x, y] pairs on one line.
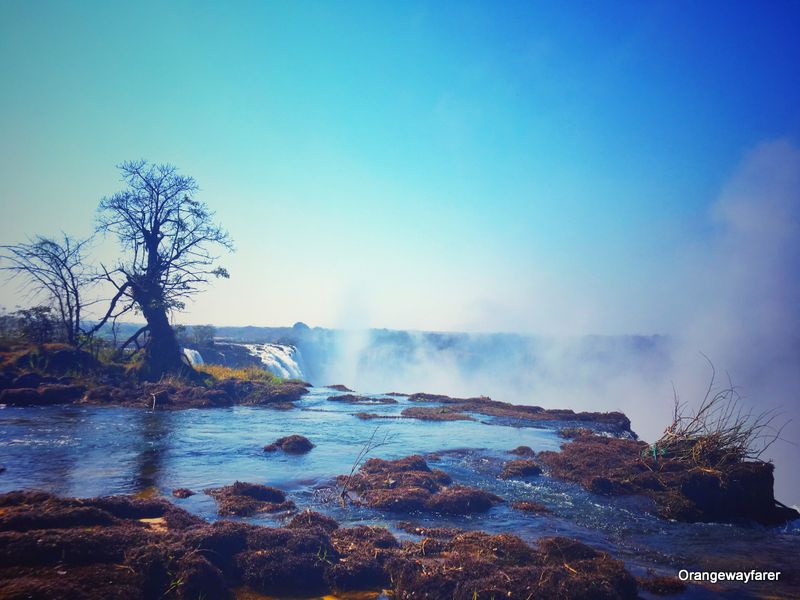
[[193, 356], [278, 359]]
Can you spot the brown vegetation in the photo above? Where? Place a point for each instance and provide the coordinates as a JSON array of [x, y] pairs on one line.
[[291, 444], [121, 547], [244, 499], [529, 506], [524, 451], [408, 484], [424, 413], [524, 467], [737, 492], [614, 422]]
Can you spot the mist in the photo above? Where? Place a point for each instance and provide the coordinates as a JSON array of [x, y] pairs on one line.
[[734, 298]]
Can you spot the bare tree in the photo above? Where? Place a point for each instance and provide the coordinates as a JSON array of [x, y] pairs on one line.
[[54, 271], [168, 238]]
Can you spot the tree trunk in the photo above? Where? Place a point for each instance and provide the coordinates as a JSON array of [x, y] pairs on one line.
[[162, 354]]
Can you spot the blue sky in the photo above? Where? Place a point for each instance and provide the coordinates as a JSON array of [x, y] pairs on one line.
[[466, 165]]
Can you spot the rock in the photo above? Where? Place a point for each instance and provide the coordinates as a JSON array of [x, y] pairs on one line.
[[310, 519], [245, 499], [574, 432], [529, 506], [409, 484], [340, 388], [292, 444], [520, 468], [182, 493], [361, 400], [20, 397], [404, 499], [734, 493], [525, 451], [461, 500], [56, 393], [424, 413]]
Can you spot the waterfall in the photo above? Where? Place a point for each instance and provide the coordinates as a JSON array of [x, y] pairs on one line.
[[193, 356], [278, 359]]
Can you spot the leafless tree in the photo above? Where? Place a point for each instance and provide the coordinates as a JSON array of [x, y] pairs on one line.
[[168, 237], [55, 271]]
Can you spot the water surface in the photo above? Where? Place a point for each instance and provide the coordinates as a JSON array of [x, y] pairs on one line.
[[90, 451]]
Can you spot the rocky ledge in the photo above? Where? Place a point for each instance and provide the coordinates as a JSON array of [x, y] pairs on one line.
[[731, 493], [459, 408]]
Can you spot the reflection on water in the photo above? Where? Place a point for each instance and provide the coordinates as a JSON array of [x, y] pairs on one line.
[[89, 451]]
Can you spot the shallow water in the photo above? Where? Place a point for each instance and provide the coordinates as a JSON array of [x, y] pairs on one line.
[[89, 451]]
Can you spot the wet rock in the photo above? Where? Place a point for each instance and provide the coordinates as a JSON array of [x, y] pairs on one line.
[[291, 444], [574, 432], [614, 422], [364, 416], [524, 451], [56, 393], [461, 500], [309, 519], [424, 413], [182, 493], [736, 492], [366, 400], [529, 507], [520, 468], [403, 499], [20, 397], [245, 499], [340, 388], [429, 532], [409, 484], [414, 462]]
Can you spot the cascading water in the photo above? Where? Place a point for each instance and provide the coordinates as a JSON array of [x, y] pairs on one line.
[[193, 356], [278, 359]]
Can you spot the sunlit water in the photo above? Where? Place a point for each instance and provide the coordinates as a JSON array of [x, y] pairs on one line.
[[90, 451]]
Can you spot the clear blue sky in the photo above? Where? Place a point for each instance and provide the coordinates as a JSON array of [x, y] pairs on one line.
[[434, 165]]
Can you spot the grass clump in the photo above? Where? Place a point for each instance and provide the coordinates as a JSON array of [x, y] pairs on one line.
[[720, 432], [220, 372]]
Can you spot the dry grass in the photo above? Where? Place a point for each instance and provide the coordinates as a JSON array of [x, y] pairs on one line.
[[220, 372], [721, 431]]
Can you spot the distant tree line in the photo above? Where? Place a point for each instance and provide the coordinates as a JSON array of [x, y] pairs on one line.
[[167, 240]]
